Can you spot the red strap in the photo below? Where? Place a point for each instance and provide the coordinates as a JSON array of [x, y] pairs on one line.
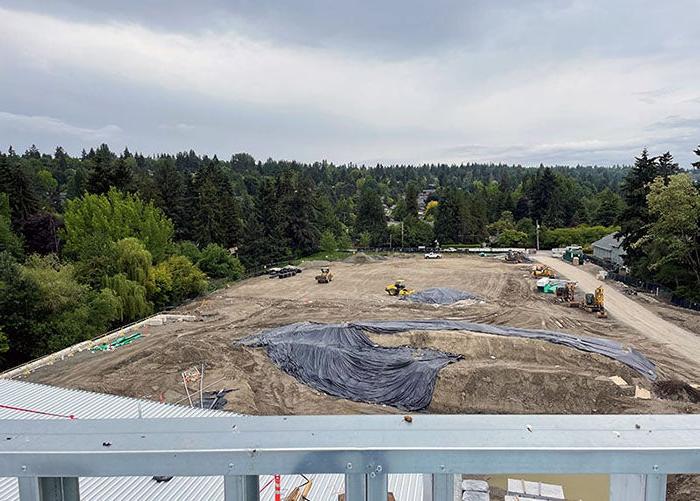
[[70, 416], [265, 486]]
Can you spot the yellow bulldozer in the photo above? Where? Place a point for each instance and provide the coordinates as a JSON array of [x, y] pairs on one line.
[[398, 288], [325, 276], [542, 270]]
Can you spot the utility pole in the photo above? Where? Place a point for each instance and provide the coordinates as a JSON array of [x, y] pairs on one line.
[[538, 234], [402, 234]]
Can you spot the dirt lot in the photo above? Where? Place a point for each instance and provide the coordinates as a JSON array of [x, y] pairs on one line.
[[497, 375]]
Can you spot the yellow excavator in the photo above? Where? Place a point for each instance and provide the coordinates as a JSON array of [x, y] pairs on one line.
[[300, 492], [592, 303], [398, 288], [595, 303]]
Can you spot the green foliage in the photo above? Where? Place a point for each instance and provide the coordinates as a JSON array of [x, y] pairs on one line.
[[370, 214], [50, 308], [609, 206], [189, 250], [133, 260], [94, 223], [178, 279], [512, 238], [675, 204], [216, 214], [131, 296], [328, 242], [217, 262], [364, 240], [9, 242]]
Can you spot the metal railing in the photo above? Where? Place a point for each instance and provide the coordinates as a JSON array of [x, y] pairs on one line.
[[48, 456]]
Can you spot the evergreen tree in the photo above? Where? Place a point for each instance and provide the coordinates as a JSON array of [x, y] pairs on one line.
[[608, 207], [370, 214], [215, 213], [18, 187], [697, 164], [635, 218], [101, 178], [411, 199]]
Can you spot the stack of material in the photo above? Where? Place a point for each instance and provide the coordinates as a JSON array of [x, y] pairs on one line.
[[522, 490], [440, 295], [475, 490]]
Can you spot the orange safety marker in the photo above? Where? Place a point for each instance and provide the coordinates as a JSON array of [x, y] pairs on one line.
[[278, 488]]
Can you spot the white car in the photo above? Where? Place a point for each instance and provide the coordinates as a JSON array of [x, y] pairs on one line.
[[450, 249], [433, 255]]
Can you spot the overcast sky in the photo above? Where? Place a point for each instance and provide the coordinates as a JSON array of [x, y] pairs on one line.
[[355, 81]]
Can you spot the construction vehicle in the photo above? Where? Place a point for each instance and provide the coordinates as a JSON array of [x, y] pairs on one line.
[[574, 255], [300, 492], [592, 302], [595, 302], [566, 293], [325, 276], [542, 270], [398, 288]]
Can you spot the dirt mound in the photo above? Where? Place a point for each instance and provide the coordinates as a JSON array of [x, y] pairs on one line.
[[359, 258], [677, 390]]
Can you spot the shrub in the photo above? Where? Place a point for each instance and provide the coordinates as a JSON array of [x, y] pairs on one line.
[[217, 262], [185, 279], [189, 250], [328, 242]]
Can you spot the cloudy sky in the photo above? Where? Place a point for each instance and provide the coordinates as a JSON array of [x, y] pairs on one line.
[[526, 81]]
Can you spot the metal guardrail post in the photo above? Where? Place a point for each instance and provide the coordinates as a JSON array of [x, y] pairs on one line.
[[49, 489], [655, 488], [443, 487], [377, 486], [241, 488], [355, 487], [637, 487], [28, 488]]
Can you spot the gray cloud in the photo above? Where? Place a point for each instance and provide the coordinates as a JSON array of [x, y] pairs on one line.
[[55, 127], [542, 81]]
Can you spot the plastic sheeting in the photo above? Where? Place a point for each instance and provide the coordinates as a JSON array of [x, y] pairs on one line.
[[439, 295], [341, 360]]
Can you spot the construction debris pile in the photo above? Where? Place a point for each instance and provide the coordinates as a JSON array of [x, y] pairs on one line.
[[341, 360], [440, 295]]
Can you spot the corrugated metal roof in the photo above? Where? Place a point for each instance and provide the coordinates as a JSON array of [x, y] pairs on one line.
[[85, 404], [89, 405], [327, 487], [608, 242]]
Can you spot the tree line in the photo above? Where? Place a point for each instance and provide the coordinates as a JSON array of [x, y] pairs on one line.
[[90, 242]]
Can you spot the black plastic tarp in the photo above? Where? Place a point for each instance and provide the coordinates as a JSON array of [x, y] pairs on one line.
[[341, 360], [439, 295]]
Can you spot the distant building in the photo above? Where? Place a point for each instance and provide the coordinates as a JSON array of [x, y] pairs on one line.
[[610, 249], [423, 197]]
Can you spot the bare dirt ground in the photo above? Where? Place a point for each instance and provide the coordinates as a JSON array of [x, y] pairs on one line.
[[497, 374], [633, 314], [682, 317]]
